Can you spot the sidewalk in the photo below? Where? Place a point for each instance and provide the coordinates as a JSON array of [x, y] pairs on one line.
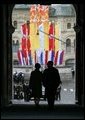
[[42, 102], [67, 95], [31, 112]]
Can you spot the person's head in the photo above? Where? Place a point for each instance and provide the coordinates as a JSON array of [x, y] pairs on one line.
[[37, 66], [50, 64]]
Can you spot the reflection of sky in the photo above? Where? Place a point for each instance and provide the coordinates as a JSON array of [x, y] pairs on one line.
[[61, 9], [22, 5], [54, 5], [28, 5]]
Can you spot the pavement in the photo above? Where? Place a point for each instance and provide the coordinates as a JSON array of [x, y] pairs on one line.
[[67, 95], [66, 108], [31, 112]]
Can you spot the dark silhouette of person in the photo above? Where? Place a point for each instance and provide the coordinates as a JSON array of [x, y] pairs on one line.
[[35, 83], [51, 81], [58, 95]]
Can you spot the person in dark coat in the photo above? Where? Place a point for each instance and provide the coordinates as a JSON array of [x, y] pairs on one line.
[[51, 81], [35, 83]]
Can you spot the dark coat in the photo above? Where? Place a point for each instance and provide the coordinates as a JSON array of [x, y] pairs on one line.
[[51, 80], [36, 83]]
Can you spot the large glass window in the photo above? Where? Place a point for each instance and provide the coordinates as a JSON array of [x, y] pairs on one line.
[[42, 36]]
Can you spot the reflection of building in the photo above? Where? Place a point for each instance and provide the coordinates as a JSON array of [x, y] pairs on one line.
[[64, 15]]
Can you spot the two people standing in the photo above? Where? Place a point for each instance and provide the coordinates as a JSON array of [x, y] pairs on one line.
[[50, 79]]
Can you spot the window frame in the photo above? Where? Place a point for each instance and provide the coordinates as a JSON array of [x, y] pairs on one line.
[[15, 24], [68, 45], [7, 67], [68, 25]]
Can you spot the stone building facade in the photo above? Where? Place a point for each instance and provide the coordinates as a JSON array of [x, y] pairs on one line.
[[63, 14]]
